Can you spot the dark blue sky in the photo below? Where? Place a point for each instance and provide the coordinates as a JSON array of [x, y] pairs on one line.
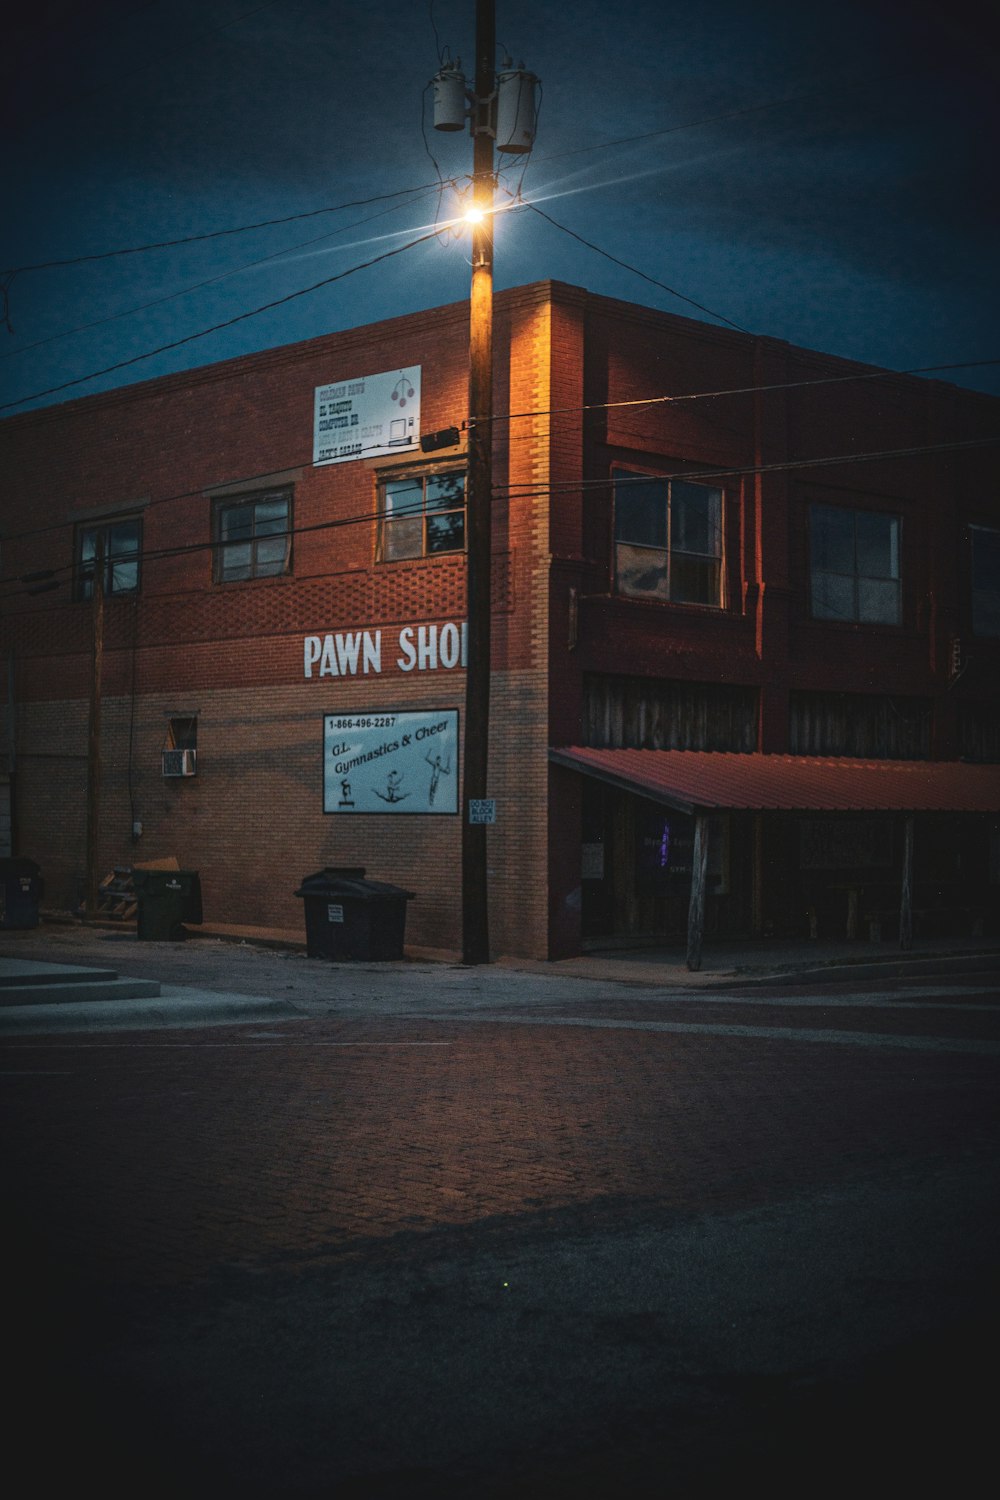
[[828, 178]]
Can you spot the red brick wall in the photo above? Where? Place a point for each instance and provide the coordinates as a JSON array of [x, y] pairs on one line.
[[251, 820]]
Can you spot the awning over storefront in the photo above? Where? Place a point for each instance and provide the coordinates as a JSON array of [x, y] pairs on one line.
[[699, 780]]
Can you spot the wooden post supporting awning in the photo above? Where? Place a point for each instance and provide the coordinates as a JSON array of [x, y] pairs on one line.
[[696, 906], [701, 783], [906, 890]]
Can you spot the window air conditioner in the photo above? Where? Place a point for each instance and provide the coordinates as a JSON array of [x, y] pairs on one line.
[[180, 762]]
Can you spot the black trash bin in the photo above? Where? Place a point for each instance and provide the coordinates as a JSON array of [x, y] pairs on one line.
[[21, 889], [166, 899], [348, 916]]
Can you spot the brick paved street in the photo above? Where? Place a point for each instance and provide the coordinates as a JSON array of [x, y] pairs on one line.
[[482, 1256]]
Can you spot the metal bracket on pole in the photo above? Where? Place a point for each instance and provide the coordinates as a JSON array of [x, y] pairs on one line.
[[483, 116]]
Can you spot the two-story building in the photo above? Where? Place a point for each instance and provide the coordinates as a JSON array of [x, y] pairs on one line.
[[746, 624]]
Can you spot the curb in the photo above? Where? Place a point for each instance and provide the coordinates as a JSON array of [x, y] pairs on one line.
[[164, 1013]]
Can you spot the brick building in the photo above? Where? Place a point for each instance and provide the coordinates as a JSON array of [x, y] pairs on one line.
[[746, 600]]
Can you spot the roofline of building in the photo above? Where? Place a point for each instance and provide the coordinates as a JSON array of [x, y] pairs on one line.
[[506, 301]]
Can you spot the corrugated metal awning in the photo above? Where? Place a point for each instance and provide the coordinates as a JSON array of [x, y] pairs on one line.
[[690, 779]]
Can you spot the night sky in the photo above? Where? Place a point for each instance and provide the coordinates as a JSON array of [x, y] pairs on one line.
[[826, 177]]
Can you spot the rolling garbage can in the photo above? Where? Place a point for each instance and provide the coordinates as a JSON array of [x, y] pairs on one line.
[[348, 916], [21, 888], [166, 899]]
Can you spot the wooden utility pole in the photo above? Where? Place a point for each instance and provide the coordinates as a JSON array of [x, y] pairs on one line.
[[94, 731], [479, 496]]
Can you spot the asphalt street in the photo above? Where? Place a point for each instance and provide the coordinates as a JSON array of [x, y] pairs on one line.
[[482, 1233]]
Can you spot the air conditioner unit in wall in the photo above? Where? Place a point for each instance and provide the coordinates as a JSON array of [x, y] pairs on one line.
[[180, 762]]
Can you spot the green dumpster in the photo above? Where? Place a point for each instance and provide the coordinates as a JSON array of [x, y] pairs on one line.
[[166, 899]]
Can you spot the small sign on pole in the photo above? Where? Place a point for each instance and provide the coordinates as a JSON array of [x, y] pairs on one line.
[[482, 809]]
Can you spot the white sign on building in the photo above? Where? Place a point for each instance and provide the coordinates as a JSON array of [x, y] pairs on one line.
[[376, 762], [367, 416]]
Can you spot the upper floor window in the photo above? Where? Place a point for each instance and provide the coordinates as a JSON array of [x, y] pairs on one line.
[[985, 580], [421, 515], [253, 536], [121, 545], [854, 565], [668, 539]]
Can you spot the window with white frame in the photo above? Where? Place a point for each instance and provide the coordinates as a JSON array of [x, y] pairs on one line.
[[121, 544], [854, 569], [253, 536], [985, 544], [421, 515], [668, 539]]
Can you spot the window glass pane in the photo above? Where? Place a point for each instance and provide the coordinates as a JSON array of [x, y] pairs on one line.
[[236, 561], [641, 571], [832, 539], [123, 539], [985, 581], [184, 734], [878, 602], [877, 545], [832, 597], [271, 556], [255, 534], [640, 510], [88, 546], [403, 538], [237, 523], [271, 515], [404, 497], [446, 533], [694, 580], [695, 516], [445, 491], [124, 576]]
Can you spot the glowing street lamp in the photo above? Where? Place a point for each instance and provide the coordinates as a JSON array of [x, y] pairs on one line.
[[502, 109]]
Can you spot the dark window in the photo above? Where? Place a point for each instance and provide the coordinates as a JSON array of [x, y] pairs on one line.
[[668, 539], [421, 515], [121, 543], [854, 565], [182, 732], [985, 580], [253, 536]]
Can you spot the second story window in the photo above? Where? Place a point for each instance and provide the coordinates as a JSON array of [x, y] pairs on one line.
[[421, 516], [985, 580], [121, 543], [668, 540], [854, 565], [253, 537]]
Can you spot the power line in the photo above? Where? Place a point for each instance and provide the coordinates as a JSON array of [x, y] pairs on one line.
[[836, 88], [423, 187], [215, 234], [211, 280], [634, 269], [217, 327], [755, 390], [586, 486], [523, 492], [301, 461]]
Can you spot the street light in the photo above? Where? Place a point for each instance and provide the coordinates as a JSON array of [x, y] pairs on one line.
[[500, 109]]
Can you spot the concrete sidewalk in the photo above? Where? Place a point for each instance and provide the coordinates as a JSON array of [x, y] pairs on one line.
[[744, 962], [740, 961], [56, 977]]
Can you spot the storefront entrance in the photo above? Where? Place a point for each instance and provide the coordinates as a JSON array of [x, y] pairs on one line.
[[636, 863]]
